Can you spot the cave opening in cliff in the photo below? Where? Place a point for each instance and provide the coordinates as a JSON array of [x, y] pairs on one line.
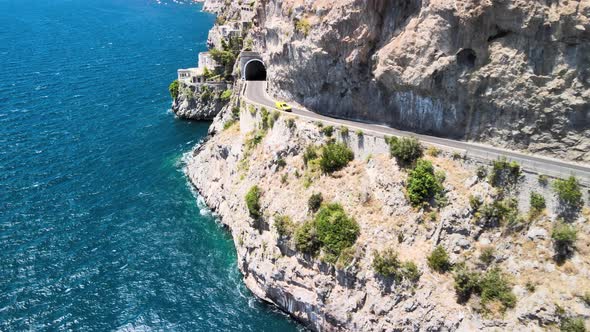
[[466, 58], [255, 71]]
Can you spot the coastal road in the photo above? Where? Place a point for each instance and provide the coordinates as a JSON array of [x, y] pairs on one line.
[[255, 92]]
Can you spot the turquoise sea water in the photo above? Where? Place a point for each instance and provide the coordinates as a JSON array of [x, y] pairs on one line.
[[99, 229]]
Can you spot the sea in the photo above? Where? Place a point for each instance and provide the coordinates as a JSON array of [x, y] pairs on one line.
[[99, 227]]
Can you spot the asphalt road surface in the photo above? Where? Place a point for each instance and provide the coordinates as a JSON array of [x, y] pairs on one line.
[[255, 92]]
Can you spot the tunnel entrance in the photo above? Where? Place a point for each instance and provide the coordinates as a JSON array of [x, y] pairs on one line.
[[255, 71]]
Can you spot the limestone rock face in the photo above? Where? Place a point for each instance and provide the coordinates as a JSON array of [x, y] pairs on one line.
[[198, 102], [513, 73]]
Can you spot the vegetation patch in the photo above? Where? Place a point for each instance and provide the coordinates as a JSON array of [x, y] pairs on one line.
[[332, 231], [225, 95], [387, 264], [490, 286], [406, 149], [537, 205], [174, 88], [572, 324], [569, 192], [505, 173], [253, 202], [284, 225], [314, 202], [422, 184], [328, 131], [439, 260], [335, 156], [564, 238], [500, 212]]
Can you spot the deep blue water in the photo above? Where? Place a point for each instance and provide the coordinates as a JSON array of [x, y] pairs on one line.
[[99, 229]]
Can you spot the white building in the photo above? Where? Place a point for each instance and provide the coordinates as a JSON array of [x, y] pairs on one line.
[[195, 75]]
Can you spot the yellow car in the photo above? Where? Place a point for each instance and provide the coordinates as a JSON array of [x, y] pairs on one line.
[[281, 105]]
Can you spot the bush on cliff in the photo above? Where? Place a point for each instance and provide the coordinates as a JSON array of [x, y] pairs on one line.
[[332, 231], [335, 156], [387, 264], [306, 239], [439, 260], [314, 202], [253, 202], [174, 88], [422, 184], [225, 95], [284, 225], [505, 173], [568, 191], [406, 149], [564, 239], [336, 230]]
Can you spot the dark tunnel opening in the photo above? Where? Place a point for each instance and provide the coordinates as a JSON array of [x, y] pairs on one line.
[[255, 71]]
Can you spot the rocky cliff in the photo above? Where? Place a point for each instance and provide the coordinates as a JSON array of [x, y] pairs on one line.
[[200, 101], [513, 73], [350, 295]]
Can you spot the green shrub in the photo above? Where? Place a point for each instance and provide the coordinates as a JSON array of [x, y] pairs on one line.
[[537, 203], [422, 184], [586, 298], [284, 225], [571, 324], [410, 271], [359, 133], [439, 260], [174, 89], [564, 238], [495, 286], [253, 202], [344, 131], [336, 231], [252, 110], [406, 149], [274, 116], [306, 239], [387, 264], [466, 283], [328, 131], [500, 212], [335, 156], [569, 192], [487, 255], [314, 202], [505, 173], [264, 115], [311, 153], [331, 230], [254, 139], [225, 95]]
